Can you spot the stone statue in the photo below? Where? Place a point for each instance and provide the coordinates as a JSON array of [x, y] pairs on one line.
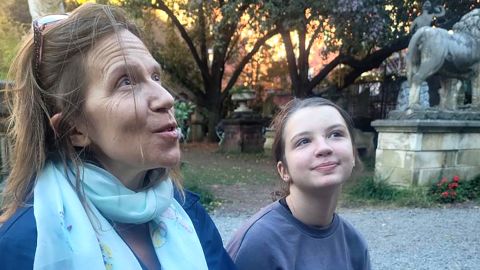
[[39, 8], [425, 19], [454, 54]]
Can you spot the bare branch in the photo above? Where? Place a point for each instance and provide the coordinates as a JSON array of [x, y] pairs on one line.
[[238, 70]]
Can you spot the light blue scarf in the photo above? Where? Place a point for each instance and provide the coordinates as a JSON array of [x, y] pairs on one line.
[[70, 237]]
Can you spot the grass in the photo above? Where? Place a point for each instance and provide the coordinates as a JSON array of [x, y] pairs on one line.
[[207, 198], [237, 168], [368, 192], [204, 170]]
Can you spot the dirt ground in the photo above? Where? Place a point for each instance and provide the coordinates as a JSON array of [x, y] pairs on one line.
[[256, 180]]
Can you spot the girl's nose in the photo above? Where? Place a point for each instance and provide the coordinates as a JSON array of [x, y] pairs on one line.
[[322, 147]]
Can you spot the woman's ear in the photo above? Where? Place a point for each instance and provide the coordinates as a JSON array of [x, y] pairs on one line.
[[55, 123], [283, 172], [78, 135]]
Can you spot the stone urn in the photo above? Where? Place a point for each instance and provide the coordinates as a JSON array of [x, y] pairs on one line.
[[242, 98]]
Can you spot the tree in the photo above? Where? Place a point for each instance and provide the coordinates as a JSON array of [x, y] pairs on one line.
[[212, 31], [14, 23], [362, 34]]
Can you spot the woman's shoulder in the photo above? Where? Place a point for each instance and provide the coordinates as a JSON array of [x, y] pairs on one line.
[[19, 224], [18, 236]]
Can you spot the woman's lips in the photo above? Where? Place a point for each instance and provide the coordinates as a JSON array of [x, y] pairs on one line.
[[170, 133]]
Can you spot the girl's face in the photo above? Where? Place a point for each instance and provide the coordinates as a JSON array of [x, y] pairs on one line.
[[130, 125], [318, 149]]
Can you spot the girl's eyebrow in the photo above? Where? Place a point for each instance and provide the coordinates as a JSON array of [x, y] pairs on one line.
[[328, 129], [336, 126], [301, 134]]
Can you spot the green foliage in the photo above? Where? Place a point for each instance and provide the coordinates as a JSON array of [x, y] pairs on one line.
[[369, 191], [470, 189], [372, 191], [183, 109], [369, 188], [11, 33]]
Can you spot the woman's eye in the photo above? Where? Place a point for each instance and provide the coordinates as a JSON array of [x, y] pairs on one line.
[[124, 80], [302, 142], [156, 77]]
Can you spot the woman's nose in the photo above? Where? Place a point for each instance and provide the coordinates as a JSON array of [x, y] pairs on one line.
[[322, 147], [159, 99]]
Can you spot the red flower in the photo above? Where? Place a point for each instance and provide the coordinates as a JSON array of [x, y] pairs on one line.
[[445, 194], [453, 185], [456, 178]]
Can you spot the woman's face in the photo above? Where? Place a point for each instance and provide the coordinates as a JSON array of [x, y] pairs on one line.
[[130, 125], [318, 149]]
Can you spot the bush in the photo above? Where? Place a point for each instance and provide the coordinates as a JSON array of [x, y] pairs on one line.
[[369, 188], [371, 191], [455, 190], [445, 191], [471, 189]]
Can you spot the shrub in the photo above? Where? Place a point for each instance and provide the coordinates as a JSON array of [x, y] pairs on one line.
[[371, 191], [445, 191], [369, 188], [455, 190], [470, 189]]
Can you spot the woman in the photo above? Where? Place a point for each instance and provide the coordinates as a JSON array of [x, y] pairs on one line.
[[94, 141], [315, 154]]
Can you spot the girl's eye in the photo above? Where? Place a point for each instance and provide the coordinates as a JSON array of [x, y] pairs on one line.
[[156, 77], [302, 141], [336, 134]]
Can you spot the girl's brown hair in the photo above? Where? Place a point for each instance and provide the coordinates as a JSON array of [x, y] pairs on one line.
[[59, 85], [280, 120]]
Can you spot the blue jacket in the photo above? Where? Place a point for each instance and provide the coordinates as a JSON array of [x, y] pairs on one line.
[[18, 237]]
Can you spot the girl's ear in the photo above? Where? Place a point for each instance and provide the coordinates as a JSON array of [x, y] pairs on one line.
[[283, 172], [78, 134]]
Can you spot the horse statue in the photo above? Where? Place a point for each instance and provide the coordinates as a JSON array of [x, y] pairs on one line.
[[453, 54]]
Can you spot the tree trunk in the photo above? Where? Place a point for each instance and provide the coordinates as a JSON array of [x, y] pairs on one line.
[[213, 120]]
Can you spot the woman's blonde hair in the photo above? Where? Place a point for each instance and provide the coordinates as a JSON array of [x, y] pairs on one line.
[[59, 85]]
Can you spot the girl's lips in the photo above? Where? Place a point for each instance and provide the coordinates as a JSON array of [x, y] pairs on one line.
[[326, 167]]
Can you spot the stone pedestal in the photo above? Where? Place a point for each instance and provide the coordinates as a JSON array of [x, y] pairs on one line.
[[242, 133], [197, 128], [269, 137], [420, 152]]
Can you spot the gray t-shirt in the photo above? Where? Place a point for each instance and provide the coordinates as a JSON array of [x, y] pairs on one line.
[[274, 239]]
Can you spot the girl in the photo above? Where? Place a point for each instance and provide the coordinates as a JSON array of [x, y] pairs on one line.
[[315, 154]]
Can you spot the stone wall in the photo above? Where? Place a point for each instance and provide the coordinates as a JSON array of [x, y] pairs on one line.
[[420, 152]]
